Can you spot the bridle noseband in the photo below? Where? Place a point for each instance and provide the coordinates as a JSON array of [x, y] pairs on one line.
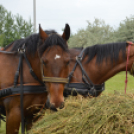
[[55, 79], [85, 88]]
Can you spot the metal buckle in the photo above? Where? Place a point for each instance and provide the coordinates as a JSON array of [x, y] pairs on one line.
[[78, 58], [22, 49]]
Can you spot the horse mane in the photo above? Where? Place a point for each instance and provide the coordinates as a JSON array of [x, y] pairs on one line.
[[105, 51], [31, 43], [53, 39], [7, 46]]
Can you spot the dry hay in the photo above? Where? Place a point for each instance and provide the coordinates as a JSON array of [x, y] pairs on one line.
[[107, 114]]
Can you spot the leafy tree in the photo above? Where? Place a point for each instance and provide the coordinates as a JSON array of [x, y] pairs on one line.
[[125, 32], [100, 33], [12, 27], [95, 33]]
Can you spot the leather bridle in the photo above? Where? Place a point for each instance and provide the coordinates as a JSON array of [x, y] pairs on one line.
[[85, 88], [53, 79]]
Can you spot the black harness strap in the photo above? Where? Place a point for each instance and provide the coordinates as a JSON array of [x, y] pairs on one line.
[[79, 56], [17, 72], [36, 89], [21, 89], [82, 88], [21, 94], [32, 72]]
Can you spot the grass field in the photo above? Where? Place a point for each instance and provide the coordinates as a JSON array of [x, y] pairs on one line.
[[117, 83], [112, 86]]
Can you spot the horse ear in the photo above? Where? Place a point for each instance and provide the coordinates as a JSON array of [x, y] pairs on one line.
[[66, 33], [42, 34]]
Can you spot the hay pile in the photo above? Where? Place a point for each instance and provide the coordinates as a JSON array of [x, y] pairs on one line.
[[112, 114]]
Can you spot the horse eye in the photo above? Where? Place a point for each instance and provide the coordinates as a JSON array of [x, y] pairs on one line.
[[44, 63], [68, 62]]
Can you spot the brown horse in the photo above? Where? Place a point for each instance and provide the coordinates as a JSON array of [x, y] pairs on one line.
[[47, 54], [92, 66], [99, 62]]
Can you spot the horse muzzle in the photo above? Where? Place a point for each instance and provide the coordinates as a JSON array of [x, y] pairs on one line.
[[53, 106]]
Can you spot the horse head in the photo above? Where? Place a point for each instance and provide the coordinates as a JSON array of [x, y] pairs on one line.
[[55, 58]]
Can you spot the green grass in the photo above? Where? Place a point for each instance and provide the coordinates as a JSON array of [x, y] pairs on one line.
[[114, 85], [117, 83], [2, 128]]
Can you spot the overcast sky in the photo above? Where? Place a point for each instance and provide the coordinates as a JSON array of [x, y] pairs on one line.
[[53, 14]]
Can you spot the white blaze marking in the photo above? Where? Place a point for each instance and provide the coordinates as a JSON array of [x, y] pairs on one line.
[[57, 57]]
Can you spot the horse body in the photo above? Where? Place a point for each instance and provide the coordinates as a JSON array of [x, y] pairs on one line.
[[32, 103], [9, 64], [101, 62]]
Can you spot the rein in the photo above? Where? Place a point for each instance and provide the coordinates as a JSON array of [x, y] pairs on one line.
[[132, 68]]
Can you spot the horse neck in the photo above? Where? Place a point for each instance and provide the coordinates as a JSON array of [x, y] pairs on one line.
[[99, 73], [36, 66], [9, 48]]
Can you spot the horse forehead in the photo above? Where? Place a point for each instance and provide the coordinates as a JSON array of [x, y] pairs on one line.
[[57, 56]]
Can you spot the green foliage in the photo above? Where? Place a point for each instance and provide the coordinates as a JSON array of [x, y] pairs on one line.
[[100, 33], [96, 32], [125, 32], [12, 27]]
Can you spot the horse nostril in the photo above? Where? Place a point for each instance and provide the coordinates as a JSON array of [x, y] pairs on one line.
[[52, 107], [61, 106]]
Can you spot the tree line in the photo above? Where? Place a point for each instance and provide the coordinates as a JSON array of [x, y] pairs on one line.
[[13, 27], [99, 32]]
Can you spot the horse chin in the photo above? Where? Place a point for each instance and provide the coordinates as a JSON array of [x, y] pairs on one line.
[[52, 107], [61, 105]]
